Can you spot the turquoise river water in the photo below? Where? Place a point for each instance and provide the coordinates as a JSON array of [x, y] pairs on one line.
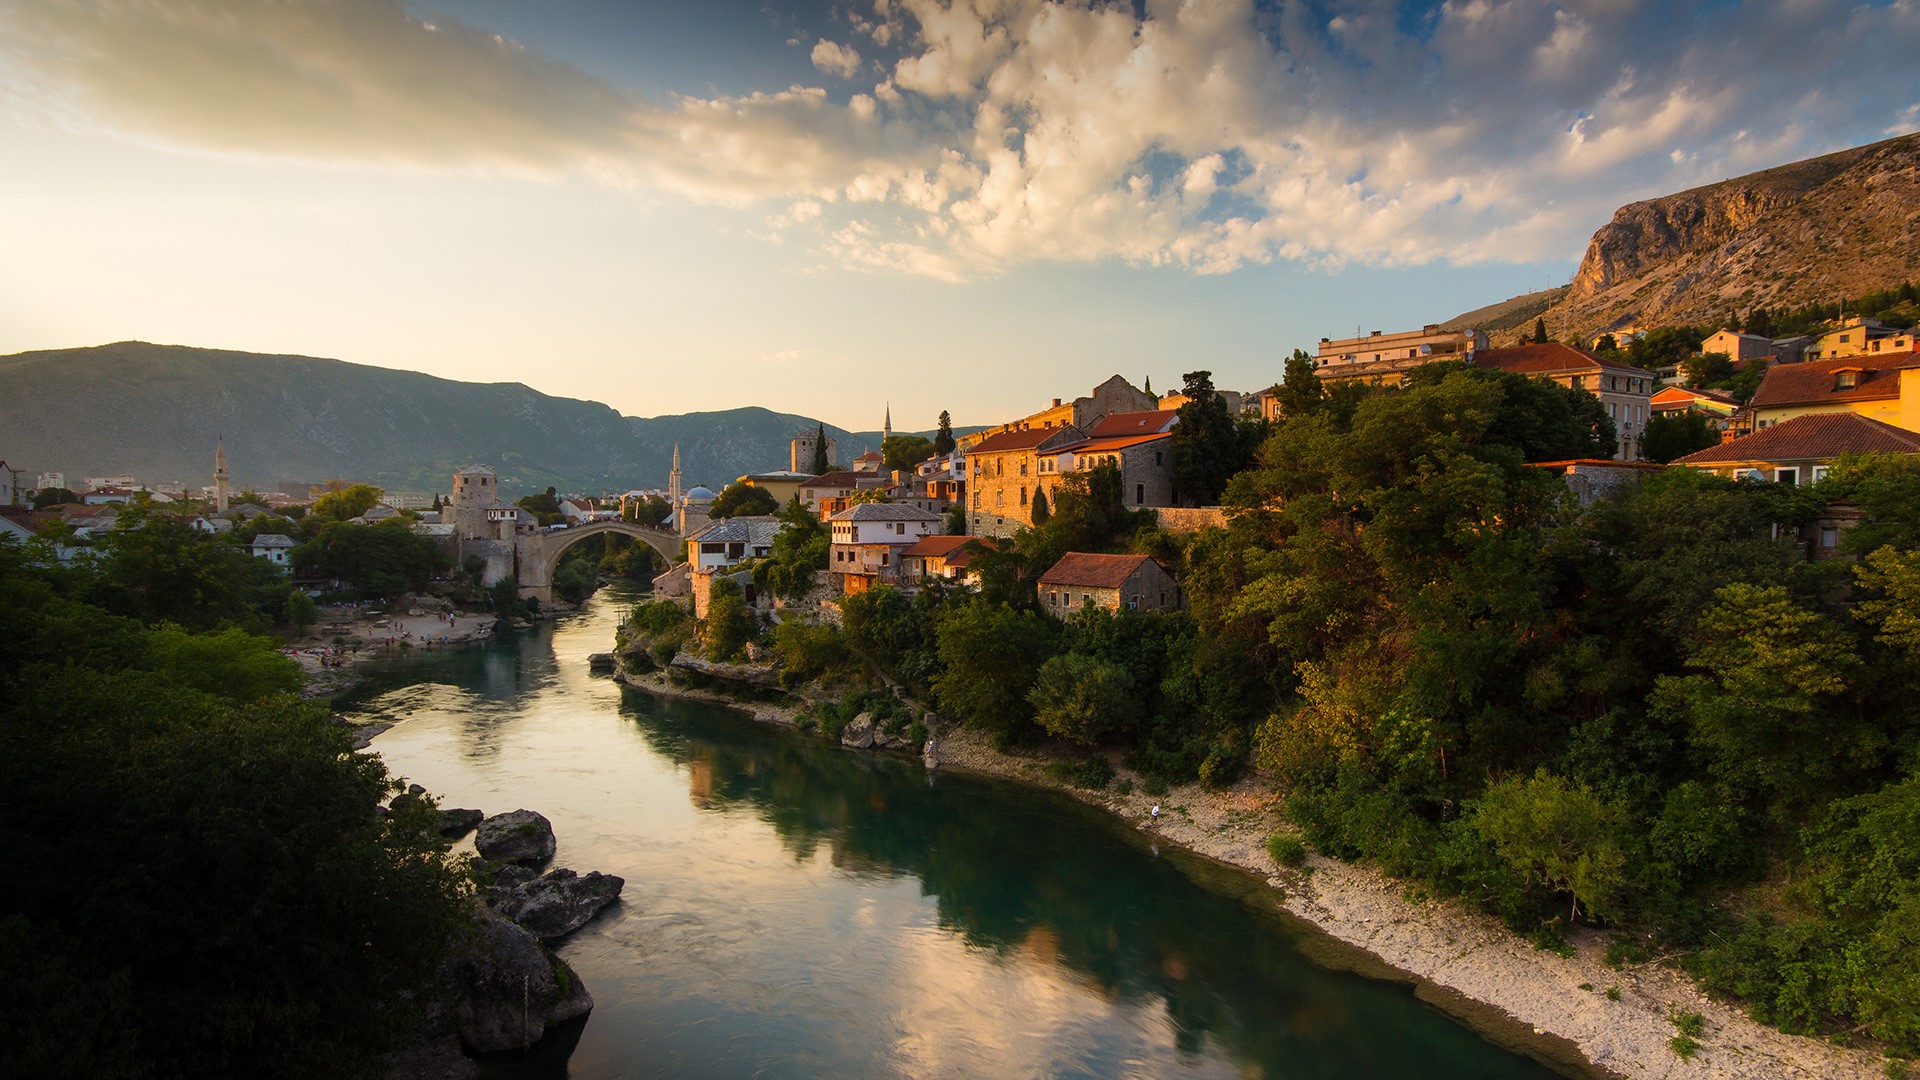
[[798, 911]]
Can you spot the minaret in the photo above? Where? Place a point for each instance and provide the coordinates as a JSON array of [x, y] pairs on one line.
[[220, 476], [886, 426], [673, 490]]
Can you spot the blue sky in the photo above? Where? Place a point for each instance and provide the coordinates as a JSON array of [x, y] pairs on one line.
[[974, 205]]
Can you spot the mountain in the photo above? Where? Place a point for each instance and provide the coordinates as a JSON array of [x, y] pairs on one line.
[[289, 421], [1817, 230]]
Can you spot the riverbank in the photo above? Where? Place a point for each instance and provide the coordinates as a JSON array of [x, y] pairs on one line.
[[1574, 1011]]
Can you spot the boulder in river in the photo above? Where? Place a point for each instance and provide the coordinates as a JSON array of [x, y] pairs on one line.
[[600, 663], [457, 823], [513, 989], [556, 904], [523, 837], [859, 734]]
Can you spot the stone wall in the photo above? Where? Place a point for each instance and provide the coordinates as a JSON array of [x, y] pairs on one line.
[[1191, 519]]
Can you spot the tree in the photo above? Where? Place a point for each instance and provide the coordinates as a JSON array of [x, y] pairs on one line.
[[1206, 446], [346, 503], [1041, 511], [1082, 698], [1675, 435], [1559, 834], [1147, 386], [905, 451], [799, 549], [53, 496], [820, 464], [1301, 393], [545, 507], [741, 499], [956, 523], [730, 621], [1760, 322], [989, 655], [1540, 331], [943, 443], [651, 510], [1707, 369], [300, 611]]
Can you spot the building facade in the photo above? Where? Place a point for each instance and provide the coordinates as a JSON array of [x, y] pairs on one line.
[[1114, 582], [1386, 358], [866, 542]]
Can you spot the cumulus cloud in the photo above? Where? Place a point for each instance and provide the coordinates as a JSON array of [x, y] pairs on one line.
[[1204, 134], [836, 59]]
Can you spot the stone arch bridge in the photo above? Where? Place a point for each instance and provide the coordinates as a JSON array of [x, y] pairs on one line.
[[538, 553]]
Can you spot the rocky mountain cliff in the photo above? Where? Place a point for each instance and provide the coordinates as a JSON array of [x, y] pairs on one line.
[[289, 421], [1817, 230]]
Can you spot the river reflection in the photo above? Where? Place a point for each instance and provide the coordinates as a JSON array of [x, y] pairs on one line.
[[798, 911]]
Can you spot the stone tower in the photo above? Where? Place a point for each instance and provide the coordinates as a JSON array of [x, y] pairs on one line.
[[220, 476]]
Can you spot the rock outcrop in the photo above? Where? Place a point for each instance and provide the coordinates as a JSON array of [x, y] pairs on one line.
[[457, 822], [555, 904], [1816, 230], [513, 989], [521, 837], [858, 735]]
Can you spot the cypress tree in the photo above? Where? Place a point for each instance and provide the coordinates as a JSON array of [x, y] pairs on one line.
[[820, 464]]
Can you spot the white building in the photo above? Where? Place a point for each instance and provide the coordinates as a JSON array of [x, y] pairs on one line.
[[731, 541], [275, 548]]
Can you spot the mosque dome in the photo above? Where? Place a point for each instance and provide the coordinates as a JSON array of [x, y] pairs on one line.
[[700, 491]]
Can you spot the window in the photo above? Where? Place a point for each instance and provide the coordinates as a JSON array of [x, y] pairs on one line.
[[1023, 494], [1829, 537], [976, 500], [1000, 498], [999, 467], [884, 556], [900, 528], [1023, 467], [1139, 494], [1819, 473], [1845, 380], [1787, 476], [1156, 457]]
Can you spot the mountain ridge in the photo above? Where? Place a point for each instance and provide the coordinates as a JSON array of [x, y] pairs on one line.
[[289, 420]]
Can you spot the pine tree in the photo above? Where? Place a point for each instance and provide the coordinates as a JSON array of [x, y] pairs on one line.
[[943, 439], [1540, 331], [1148, 389], [820, 464], [1041, 511]]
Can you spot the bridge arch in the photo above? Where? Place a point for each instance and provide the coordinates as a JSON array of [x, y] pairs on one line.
[[538, 553]]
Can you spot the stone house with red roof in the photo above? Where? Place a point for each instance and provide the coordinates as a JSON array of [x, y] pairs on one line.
[[865, 542], [1883, 387], [1003, 472], [1081, 580], [945, 557], [1801, 449], [1625, 392], [1139, 444]]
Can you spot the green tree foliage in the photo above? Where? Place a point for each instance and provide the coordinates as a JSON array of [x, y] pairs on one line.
[[301, 611], [1082, 698], [1675, 435], [741, 499], [371, 560], [989, 656], [1301, 393], [820, 464], [1707, 369], [53, 496], [217, 895], [943, 442], [1665, 346], [903, 452], [1040, 511], [1558, 834], [545, 507], [1540, 332], [731, 623], [956, 520], [1208, 446], [158, 567], [346, 503], [651, 510]]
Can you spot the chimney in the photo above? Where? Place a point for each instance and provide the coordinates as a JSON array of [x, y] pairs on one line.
[[1373, 333], [1056, 403]]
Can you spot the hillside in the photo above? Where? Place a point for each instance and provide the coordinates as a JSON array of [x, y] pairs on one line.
[[1816, 230], [155, 411]]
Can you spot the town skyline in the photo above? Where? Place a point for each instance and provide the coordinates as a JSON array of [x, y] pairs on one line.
[[676, 210]]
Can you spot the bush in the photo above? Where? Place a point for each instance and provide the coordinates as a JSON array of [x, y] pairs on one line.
[[1092, 773], [1287, 849]]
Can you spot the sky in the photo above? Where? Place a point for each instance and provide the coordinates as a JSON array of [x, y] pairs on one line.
[[833, 207]]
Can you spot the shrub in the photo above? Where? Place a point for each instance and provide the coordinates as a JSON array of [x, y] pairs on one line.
[[1287, 849], [1092, 773]]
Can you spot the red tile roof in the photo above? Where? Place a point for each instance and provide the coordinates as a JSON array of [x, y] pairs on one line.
[[951, 548], [1552, 358], [1813, 381], [1682, 395], [1121, 442], [1816, 437], [1135, 423], [1083, 570], [1017, 440]]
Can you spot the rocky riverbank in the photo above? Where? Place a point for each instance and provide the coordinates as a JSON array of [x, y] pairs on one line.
[[1573, 1011]]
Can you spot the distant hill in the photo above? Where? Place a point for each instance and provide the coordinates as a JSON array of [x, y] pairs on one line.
[[289, 421], [1814, 231], [1517, 313]]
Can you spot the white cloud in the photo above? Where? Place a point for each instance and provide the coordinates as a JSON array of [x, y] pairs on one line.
[[836, 59], [1203, 134]]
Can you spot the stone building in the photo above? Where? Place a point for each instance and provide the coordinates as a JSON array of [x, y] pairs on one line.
[[1081, 580], [867, 540], [484, 525], [1386, 358], [800, 452], [1003, 472]]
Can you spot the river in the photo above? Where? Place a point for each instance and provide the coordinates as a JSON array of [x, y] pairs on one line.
[[798, 911]]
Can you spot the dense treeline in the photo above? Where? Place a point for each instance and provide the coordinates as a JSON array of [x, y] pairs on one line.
[[206, 886], [1655, 715]]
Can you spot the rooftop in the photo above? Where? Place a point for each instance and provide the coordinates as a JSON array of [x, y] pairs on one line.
[[1878, 376], [885, 512], [1815, 437], [1025, 439], [842, 478], [1135, 423], [1085, 570], [273, 540], [1551, 358], [755, 529]]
